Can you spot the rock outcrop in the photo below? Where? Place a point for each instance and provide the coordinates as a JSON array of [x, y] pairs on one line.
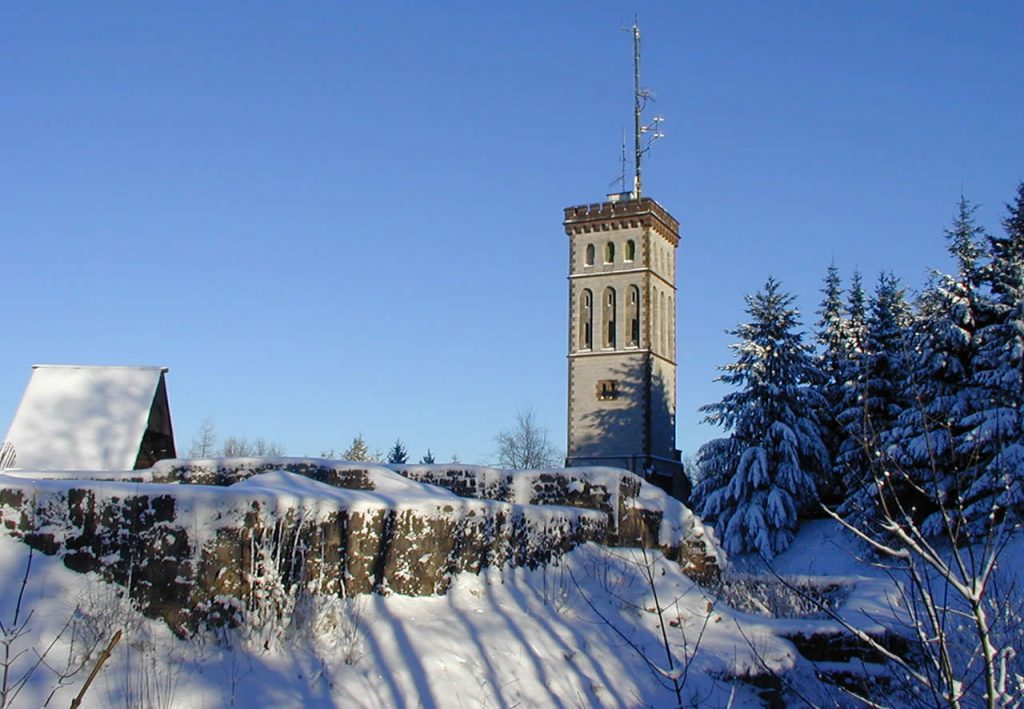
[[208, 540]]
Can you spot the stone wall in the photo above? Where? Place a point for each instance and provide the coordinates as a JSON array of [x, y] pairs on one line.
[[185, 566], [191, 546], [638, 514]]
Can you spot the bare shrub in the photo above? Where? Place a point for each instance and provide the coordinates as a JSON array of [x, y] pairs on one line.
[[24, 651], [778, 598]]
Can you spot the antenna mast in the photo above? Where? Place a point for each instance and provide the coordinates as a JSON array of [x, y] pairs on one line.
[[637, 110], [640, 98]]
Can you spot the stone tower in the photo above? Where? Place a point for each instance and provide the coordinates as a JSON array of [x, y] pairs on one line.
[[622, 338]]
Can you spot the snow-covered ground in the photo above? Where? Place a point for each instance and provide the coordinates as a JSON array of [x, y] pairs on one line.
[[584, 633], [511, 638]]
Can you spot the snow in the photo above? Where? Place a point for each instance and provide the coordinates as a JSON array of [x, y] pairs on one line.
[[580, 632], [77, 417], [388, 489], [516, 637]]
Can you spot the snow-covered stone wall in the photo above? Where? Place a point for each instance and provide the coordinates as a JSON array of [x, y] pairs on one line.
[[209, 540], [638, 514]]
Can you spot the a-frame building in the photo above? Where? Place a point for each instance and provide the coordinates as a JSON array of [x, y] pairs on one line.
[[91, 418]]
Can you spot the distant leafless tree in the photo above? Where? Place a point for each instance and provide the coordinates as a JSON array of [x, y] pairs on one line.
[[204, 445], [526, 446], [241, 447]]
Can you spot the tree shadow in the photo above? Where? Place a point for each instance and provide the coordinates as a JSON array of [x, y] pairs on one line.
[[632, 427]]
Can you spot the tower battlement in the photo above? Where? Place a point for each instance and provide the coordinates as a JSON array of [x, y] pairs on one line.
[[619, 215]]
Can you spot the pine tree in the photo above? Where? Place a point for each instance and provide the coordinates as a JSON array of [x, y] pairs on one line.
[[878, 390], [833, 359], [831, 333], [996, 436], [856, 330], [398, 454], [848, 411], [757, 481], [357, 451], [428, 459], [885, 349], [1001, 363], [929, 441]]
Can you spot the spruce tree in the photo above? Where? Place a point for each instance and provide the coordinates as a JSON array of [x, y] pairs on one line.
[[857, 310], [996, 435], [428, 459], [849, 458], [885, 350], [831, 333], [756, 482], [398, 454], [833, 364], [878, 392], [929, 441]]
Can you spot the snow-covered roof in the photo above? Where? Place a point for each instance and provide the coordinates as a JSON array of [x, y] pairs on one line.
[[83, 417]]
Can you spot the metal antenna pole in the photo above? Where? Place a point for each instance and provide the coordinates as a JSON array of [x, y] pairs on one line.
[[623, 163], [637, 109]]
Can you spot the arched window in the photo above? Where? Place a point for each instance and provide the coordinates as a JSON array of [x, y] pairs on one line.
[[586, 320], [590, 255], [654, 333], [609, 317], [633, 314], [630, 250], [664, 326], [671, 327], [609, 252]]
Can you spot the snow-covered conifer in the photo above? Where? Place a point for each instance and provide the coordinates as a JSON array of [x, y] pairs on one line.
[[758, 480], [996, 433], [833, 363], [849, 422], [875, 396], [928, 438], [831, 334]]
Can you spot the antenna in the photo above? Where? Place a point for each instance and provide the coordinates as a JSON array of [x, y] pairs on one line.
[[623, 163], [653, 130], [620, 179]]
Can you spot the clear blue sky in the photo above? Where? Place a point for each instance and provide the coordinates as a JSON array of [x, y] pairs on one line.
[[332, 218]]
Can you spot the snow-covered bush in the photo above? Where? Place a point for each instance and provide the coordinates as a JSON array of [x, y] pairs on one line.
[[781, 598]]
